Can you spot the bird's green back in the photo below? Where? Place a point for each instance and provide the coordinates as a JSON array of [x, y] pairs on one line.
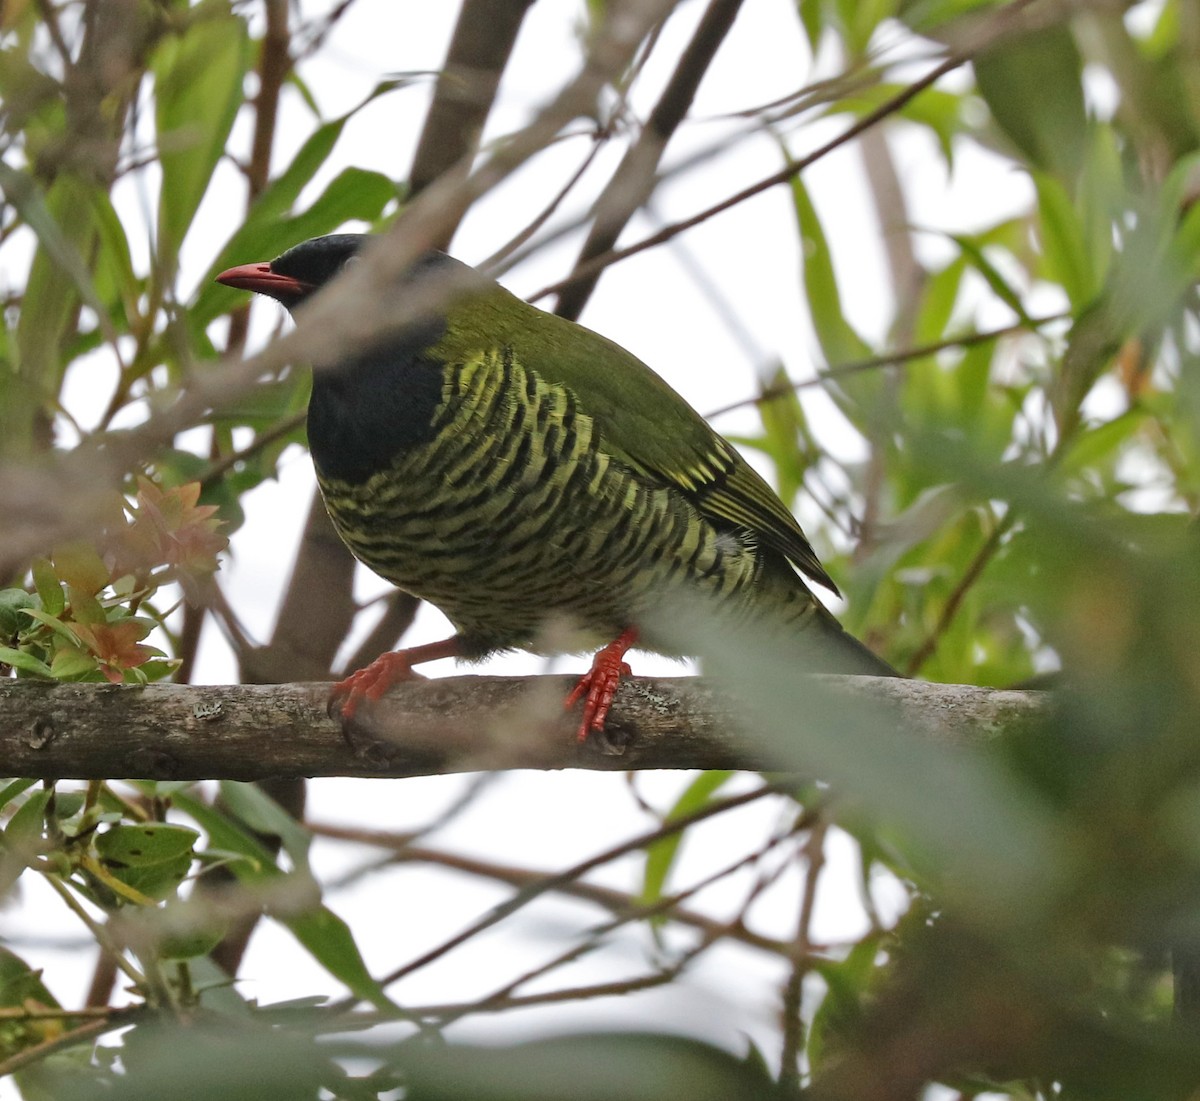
[[641, 421]]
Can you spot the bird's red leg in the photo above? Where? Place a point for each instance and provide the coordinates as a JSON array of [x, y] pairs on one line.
[[597, 687], [370, 682]]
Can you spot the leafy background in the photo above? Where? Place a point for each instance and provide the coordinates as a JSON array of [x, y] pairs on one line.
[[972, 332]]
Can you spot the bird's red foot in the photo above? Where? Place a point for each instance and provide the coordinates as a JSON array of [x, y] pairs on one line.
[[372, 681], [598, 687]]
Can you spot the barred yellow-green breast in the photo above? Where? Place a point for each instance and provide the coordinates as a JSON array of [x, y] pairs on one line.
[[515, 469]]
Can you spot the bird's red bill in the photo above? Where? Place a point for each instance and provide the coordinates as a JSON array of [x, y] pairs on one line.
[[261, 279]]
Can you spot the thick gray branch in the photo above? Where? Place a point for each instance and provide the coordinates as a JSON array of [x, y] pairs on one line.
[[456, 724]]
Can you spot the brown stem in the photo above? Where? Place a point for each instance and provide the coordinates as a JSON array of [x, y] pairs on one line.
[[793, 1022], [479, 50], [633, 180], [982, 557]]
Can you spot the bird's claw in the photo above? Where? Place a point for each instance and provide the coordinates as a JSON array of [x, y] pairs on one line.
[[368, 683], [598, 687]]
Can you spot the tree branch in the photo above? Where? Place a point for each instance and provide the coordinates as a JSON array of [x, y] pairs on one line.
[[455, 724]]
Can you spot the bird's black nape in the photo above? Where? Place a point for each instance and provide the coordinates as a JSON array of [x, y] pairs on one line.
[[317, 261]]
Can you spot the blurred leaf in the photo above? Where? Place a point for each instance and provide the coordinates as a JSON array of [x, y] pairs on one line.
[[12, 789], [926, 16], [327, 938], [21, 987], [938, 111], [941, 291], [58, 281], [198, 90], [1063, 241], [846, 982], [985, 841], [605, 1067], [660, 856], [80, 567], [1007, 293], [117, 285], [255, 808], [49, 591], [26, 829], [1033, 85], [839, 342]]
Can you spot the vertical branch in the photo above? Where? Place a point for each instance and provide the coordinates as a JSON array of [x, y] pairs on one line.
[[793, 990], [633, 180], [466, 89], [907, 275]]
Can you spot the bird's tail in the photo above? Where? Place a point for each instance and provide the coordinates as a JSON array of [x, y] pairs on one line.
[[840, 652]]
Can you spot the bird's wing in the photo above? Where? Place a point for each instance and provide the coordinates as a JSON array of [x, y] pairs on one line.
[[651, 428]]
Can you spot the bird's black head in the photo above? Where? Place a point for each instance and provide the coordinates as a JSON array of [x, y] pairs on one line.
[[308, 266], [377, 398]]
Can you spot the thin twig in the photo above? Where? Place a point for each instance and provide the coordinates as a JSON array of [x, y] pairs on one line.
[[633, 179], [38, 1052], [617, 902], [891, 106], [793, 990], [950, 609], [98, 931], [597, 264], [887, 359], [523, 897], [664, 907], [217, 470]]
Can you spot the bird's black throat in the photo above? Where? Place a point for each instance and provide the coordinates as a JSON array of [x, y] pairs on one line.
[[368, 409]]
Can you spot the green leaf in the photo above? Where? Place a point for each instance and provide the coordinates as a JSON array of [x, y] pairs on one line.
[[811, 21], [117, 285], [12, 604], [839, 342], [80, 566], [983, 842], [198, 90], [70, 662], [48, 588], [21, 985], [151, 857], [1064, 244], [11, 790], [937, 304], [660, 856], [26, 662], [255, 808], [610, 1066], [27, 827], [321, 931], [58, 281], [841, 1008], [331, 943], [979, 260], [1033, 85]]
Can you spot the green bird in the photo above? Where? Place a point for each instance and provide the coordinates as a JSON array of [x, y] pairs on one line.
[[516, 469]]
